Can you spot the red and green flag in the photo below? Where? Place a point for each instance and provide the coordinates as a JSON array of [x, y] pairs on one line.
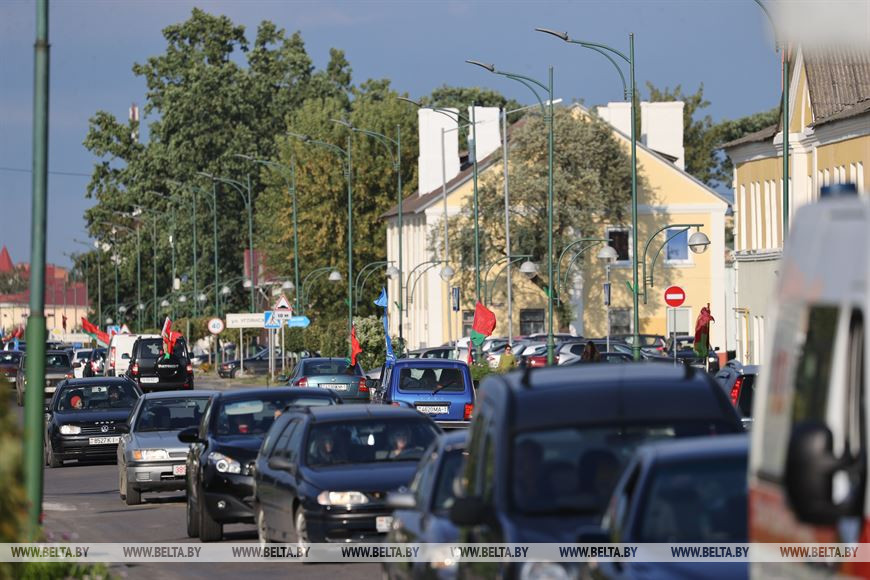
[[702, 332], [484, 324], [355, 347], [169, 338], [95, 333]]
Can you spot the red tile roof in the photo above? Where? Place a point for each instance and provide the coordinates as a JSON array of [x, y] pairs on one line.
[[6, 264]]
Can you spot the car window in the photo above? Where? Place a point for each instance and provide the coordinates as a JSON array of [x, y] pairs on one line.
[[93, 397], [814, 366], [329, 367], [311, 401], [249, 416], [281, 446], [574, 470], [368, 441], [152, 348], [421, 487], [699, 501], [57, 361], [170, 414], [9, 357], [445, 490], [428, 379]]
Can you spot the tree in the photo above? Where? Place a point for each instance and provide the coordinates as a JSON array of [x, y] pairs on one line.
[[730, 130], [592, 183]]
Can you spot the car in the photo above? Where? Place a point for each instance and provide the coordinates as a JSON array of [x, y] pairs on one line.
[[10, 345], [94, 365], [221, 458], [546, 446], [603, 357], [421, 514], [738, 381], [323, 473], [152, 370], [534, 354], [150, 456], [254, 365], [431, 352], [84, 417], [685, 353], [119, 353], [57, 368], [678, 492], [9, 362], [649, 341], [441, 389], [570, 352], [79, 360], [333, 374]]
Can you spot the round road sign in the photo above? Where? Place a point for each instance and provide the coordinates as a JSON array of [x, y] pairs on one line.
[[215, 326], [675, 296]]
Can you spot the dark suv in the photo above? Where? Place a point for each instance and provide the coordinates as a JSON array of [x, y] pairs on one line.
[[152, 370], [546, 447]]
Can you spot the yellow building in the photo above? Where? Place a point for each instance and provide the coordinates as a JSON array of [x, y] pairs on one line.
[[829, 143], [670, 196]]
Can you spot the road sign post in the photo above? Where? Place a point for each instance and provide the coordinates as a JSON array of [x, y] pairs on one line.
[[674, 297]]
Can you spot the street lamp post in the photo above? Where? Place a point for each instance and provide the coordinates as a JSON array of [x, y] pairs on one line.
[[345, 155], [609, 52], [547, 111], [489, 288], [357, 287], [334, 276], [698, 243], [591, 242], [154, 217], [193, 227]]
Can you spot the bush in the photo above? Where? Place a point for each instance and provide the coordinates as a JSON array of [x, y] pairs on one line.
[[206, 368]]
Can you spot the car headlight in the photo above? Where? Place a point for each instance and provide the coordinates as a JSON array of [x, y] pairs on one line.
[[342, 498], [224, 464], [545, 571], [150, 454], [70, 429]]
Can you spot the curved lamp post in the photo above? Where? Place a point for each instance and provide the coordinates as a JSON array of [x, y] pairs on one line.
[[628, 91], [488, 287], [334, 276], [591, 242], [547, 111], [371, 267], [698, 243], [412, 285]]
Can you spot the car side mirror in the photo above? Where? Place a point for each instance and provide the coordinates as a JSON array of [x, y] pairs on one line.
[[125, 356], [469, 511], [401, 500], [77, 365], [282, 464], [809, 475], [189, 435]]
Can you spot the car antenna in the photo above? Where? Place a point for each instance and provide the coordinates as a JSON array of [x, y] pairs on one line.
[[526, 379]]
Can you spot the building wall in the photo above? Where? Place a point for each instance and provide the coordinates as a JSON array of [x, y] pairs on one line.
[[846, 161], [756, 281], [14, 315]]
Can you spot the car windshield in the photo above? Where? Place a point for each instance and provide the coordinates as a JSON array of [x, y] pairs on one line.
[[575, 470], [97, 397], [697, 501], [151, 348], [312, 401], [170, 414], [9, 358], [368, 441], [249, 416], [57, 361], [82, 354], [338, 366], [429, 379], [445, 493]]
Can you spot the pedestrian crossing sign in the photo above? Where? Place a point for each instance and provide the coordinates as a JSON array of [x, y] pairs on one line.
[[271, 321]]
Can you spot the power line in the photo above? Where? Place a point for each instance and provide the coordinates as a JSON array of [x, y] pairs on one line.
[[19, 170]]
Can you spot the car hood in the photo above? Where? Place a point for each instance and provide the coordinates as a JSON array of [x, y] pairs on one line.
[[158, 439], [116, 415], [362, 477], [240, 447], [57, 373]]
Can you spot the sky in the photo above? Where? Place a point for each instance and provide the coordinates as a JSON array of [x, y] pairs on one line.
[[419, 45]]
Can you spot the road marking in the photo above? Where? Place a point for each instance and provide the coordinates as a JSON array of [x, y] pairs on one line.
[[58, 507]]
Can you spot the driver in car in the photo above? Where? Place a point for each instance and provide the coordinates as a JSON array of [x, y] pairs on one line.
[[400, 443]]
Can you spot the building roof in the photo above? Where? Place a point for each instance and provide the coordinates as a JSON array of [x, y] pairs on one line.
[[838, 79], [761, 135], [6, 264], [853, 111]]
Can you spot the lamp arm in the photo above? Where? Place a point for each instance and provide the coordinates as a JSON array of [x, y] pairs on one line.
[[364, 280], [649, 241], [612, 61], [513, 260], [574, 258], [420, 275], [383, 140], [609, 49]]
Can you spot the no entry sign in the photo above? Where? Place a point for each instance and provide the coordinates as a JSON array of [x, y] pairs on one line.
[[675, 296]]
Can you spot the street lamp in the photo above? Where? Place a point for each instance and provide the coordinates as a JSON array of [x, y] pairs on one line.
[[346, 157], [392, 272], [529, 268], [607, 255], [334, 276], [591, 242], [698, 242], [446, 273], [609, 52], [547, 111]]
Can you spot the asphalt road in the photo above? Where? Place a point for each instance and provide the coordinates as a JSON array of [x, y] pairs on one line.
[[81, 504]]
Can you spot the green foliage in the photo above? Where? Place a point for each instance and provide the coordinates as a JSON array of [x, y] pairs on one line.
[[479, 371], [730, 130], [13, 501], [13, 282], [370, 334]]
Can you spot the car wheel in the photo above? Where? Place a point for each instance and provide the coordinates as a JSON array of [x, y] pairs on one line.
[[262, 530], [132, 495], [209, 529], [50, 459], [233, 373], [301, 527], [121, 485], [18, 398], [192, 518]]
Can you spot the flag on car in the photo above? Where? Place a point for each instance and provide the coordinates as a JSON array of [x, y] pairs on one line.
[[702, 332], [484, 324], [383, 302], [355, 348], [95, 333], [169, 338]]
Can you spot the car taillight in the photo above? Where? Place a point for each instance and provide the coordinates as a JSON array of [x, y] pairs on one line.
[[189, 367], [395, 404], [134, 369], [70, 376], [469, 409], [735, 390], [362, 386], [303, 382]]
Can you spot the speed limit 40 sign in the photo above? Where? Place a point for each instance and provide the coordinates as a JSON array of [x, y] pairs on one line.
[[675, 296], [215, 326]]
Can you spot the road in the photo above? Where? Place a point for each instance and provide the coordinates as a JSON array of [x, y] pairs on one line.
[[81, 504]]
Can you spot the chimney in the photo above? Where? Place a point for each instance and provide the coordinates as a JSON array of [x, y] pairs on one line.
[[661, 129], [617, 114], [431, 123], [488, 124]]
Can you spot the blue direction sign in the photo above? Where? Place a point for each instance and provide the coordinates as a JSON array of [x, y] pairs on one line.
[[270, 320], [298, 322]]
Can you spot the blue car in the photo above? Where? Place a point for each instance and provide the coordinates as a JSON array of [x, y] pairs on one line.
[[438, 388]]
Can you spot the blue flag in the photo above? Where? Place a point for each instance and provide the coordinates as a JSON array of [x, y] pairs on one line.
[[382, 299], [383, 302]]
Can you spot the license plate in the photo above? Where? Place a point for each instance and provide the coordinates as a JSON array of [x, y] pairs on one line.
[[433, 409], [149, 380], [179, 469], [338, 387], [383, 523], [50, 389], [103, 440]]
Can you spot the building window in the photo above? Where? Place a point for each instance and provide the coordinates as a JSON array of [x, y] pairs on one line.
[[768, 216], [827, 177], [531, 321], [620, 321], [677, 250], [743, 210], [467, 322], [618, 240], [756, 215], [859, 181]]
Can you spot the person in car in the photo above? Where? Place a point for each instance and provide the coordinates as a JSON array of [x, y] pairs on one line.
[[323, 452], [590, 353], [399, 440], [116, 396], [531, 488], [75, 402]]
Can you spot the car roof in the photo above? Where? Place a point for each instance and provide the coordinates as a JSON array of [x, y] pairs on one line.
[[304, 391], [241, 394], [751, 369], [351, 412], [323, 358], [57, 351], [646, 392], [431, 362], [693, 448], [86, 382], [453, 440], [198, 394]]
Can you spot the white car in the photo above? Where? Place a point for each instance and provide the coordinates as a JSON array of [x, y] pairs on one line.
[[120, 349], [80, 359]]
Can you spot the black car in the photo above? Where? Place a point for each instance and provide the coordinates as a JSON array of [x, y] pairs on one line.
[[221, 458], [738, 381], [689, 491], [153, 370], [93, 365], [422, 513], [84, 416], [323, 473], [254, 365], [547, 446]]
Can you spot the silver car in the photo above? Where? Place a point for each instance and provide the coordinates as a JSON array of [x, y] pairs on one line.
[[150, 456]]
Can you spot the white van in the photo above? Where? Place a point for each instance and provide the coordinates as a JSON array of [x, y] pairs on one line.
[[118, 354], [808, 462]]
